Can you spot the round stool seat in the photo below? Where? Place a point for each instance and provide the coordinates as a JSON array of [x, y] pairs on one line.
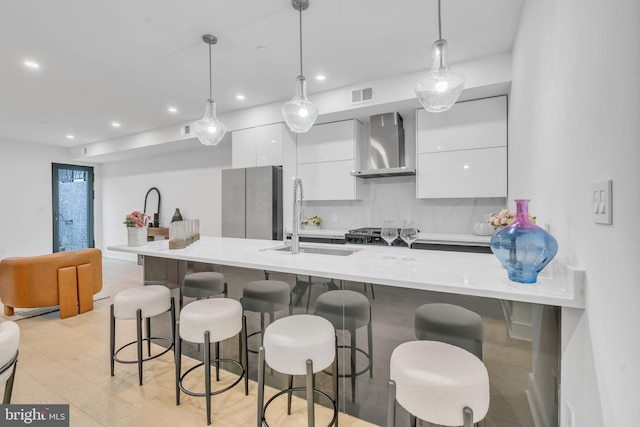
[[344, 309], [435, 381], [152, 300], [266, 296], [202, 284], [291, 341], [451, 324], [9, 342], [222, 317]]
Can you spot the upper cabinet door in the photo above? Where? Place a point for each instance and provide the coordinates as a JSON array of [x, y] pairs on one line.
[[269, 145], [467, 125], [243, 148], [328, 142], [462, 152], [258, 146]]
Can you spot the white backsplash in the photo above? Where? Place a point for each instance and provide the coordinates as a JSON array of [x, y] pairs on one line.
[[395, 198]]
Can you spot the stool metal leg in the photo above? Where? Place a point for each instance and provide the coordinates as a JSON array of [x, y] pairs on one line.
[[207, 374], [370, 339], [147, 322], [310, 387], [260, 386], [352, 333], [290, 385], [173, 323], [139, 334], [413, 421], [335, 382], [467, 416], [178, 358], [244, 354], [391, 404], [217, 353], [112, 339]]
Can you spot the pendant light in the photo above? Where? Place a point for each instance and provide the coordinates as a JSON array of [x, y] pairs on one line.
[[208, 129], [299, 113], [440, 88]]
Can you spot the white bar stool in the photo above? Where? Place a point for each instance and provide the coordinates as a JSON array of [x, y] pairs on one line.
[[439, 383], [299, 345], [140, 303], [204, 322], [9, 342]]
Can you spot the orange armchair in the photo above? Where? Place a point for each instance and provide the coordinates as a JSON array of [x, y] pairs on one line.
[[68, 279]]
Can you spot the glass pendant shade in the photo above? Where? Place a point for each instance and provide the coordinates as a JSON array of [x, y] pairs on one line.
[[299, 113], [208, 129], [440, 87]]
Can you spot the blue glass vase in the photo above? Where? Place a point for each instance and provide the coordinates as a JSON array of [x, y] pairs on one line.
[[523, 247]]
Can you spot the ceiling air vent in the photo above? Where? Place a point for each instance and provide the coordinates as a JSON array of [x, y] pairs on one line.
[[362, 95]]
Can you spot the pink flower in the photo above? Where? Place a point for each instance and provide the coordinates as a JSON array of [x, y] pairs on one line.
[[136, 219]]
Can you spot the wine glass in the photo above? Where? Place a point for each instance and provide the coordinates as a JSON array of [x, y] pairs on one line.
[[389, 233], [409, 233]]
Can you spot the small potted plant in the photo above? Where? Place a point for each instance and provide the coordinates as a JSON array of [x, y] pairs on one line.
[[136, 223], [311, 222]]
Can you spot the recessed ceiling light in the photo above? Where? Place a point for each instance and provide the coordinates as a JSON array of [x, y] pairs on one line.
[[31, 64], [320, 77], [240, 97], [261, 49], [115, 124], [172, 109], [70, 136]]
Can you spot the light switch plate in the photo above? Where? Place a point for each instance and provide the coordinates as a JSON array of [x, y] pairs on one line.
[[601, 202]]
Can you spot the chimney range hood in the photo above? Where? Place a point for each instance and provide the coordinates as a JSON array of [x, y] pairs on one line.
[[386, 146]]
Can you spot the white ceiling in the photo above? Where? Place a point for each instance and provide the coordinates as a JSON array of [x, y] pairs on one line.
[[127, 61]]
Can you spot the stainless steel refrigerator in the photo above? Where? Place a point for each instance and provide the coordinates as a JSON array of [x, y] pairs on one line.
[[252, 203]]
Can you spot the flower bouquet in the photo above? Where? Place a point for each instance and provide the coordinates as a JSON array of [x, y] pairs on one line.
[[505, 217], [136, 219]]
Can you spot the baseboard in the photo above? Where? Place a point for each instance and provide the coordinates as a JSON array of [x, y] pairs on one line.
[[517, 330]]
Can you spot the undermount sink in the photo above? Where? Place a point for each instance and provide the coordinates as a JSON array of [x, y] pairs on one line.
[[317, 250]]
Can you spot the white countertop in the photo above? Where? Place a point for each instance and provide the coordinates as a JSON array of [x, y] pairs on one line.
[[442, 271]]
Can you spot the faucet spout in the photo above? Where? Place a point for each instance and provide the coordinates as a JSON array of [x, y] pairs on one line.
[[297, 212]]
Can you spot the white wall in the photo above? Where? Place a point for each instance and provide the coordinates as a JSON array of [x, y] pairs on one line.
[[574, 120], [189, 180], [25, 192]]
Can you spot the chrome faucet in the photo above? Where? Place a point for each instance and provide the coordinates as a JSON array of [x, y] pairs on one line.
[[297, 213]]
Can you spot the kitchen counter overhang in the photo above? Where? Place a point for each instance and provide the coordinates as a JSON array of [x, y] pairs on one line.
[[450, 272]]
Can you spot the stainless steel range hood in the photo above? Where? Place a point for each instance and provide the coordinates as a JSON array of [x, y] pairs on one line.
[[386, 146]]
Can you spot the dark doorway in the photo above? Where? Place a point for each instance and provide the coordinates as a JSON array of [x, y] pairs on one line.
[[72, 195]]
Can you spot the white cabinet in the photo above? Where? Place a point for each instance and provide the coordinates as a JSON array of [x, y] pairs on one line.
[[328, 142], [259, 146], [462, 152], [326, 156], [326, 181]]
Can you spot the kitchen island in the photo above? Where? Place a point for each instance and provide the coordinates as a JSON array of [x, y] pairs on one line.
[[473, 280], [450, 272]]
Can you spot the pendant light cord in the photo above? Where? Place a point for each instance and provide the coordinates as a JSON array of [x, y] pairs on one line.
[[210, 78], [300, 41], [439, 23]]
